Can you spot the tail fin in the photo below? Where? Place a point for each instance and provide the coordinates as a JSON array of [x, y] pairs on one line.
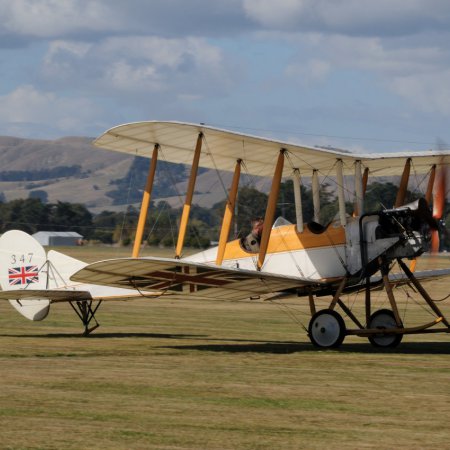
[[23, 265]]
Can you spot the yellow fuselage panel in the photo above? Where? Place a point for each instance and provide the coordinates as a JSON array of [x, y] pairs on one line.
[[287, 239]]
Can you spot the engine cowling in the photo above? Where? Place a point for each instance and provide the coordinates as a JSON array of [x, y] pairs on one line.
[[391, 233]]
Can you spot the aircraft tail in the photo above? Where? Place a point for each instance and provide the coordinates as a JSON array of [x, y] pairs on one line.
[[24, 265]]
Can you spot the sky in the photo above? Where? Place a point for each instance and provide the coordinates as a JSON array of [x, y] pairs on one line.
[[353, 74]]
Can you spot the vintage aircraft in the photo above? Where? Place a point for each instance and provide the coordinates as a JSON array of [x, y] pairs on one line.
[[352, 253]]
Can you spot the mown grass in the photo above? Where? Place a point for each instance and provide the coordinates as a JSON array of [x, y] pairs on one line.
[[188, 375]]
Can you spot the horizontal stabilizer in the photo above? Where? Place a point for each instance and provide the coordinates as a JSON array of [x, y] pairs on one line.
[[51, 295]]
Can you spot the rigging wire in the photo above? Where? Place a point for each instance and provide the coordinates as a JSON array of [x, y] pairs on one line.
[[129, 204], [169, 173], [290, 312], [219, 176], [419, 188], [156, 220]]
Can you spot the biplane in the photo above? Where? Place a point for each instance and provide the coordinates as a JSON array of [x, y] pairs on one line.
[[353, 253]]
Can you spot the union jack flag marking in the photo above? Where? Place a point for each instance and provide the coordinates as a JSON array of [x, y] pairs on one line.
[[23, 275]]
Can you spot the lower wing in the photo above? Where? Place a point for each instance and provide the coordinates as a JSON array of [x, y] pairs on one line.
[[188, 279]]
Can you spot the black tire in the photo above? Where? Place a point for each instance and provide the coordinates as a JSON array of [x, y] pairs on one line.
[[326, 329], [382, 319]]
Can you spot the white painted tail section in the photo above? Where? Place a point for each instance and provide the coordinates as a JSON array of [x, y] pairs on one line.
[[24, 265]]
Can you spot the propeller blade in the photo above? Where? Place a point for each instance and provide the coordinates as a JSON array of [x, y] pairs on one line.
[[439, 193], [434, 241], [438, 203]]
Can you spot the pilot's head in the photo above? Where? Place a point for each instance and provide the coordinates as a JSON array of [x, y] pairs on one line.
[[257, 225]]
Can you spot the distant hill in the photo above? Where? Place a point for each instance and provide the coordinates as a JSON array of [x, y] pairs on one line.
[[71, 169], [68, 169]]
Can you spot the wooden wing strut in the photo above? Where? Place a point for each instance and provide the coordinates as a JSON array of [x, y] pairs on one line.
[[145, 202], [271, 207], [229, 213], [189, 195]]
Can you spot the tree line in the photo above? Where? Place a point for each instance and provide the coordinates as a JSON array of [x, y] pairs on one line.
[[34, 214]]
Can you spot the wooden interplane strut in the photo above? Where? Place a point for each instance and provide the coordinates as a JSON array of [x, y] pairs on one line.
[[340, 188], [146, 197], [359, 200], [401, 193], [298, 200], [229, 213], [271, 207], [365, 180], [316, 195], [189, 195]]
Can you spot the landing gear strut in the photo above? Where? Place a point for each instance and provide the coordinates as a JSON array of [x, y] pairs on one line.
[[86, 313], [384, 328]]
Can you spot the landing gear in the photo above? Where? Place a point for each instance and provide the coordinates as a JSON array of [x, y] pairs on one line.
[[383, 328], [384, 319], [326, 329], [86, 313]]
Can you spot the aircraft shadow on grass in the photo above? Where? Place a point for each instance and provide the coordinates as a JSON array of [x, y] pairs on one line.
[[413, 348], [252, 346], [109, 335]]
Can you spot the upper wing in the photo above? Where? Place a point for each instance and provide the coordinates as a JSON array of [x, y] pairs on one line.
[[187, 278], [222, 148]]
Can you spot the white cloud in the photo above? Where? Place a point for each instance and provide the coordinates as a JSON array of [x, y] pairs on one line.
[[51, 18], [415, 71], [276, 14], [26, 106], [314, 70], [24, 21], [142, 57], [350, 17], [136, 64], [58, 60], [389, 57], [429, 92]]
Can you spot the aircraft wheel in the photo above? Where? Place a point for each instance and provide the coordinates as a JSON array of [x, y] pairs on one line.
[[382, 319], [326, 329]]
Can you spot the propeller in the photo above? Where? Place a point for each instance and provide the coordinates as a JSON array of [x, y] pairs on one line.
[[438, 203]]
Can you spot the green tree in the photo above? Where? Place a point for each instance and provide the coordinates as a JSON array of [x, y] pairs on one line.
[[65, 216], [125, 228], [29, 215], [382, 196], [104, 225], [40, 194]]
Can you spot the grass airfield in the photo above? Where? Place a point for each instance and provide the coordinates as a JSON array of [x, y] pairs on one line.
[[172, 374]]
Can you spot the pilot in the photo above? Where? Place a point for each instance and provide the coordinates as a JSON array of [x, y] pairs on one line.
[[252, 241]]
